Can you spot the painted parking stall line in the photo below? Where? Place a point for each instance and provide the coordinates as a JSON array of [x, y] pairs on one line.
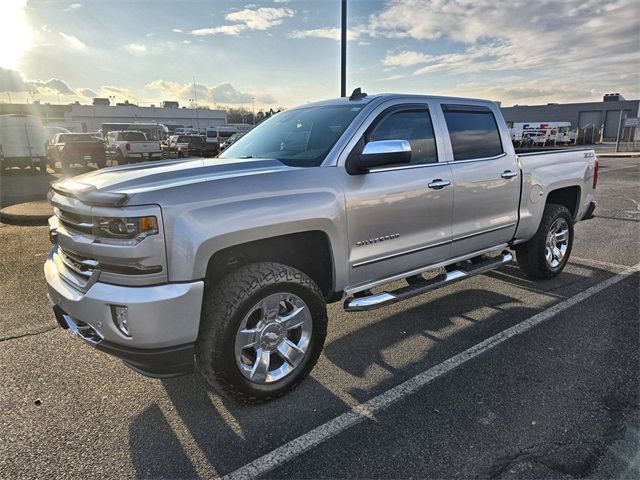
[[360, 412]]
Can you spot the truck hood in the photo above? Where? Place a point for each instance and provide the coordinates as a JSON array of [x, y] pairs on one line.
[[115, 186]]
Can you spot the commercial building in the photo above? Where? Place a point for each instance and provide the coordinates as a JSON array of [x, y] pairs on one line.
[[89, 118], [603, 116]]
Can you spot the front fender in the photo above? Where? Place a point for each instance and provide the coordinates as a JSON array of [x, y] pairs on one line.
[[313, 204]]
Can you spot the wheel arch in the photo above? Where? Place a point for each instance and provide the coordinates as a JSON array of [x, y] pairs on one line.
[[309, 251], [566, 196]]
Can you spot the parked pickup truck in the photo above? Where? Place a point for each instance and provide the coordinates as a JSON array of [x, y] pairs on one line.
[[129, 146], [68, 149], [228, 263]]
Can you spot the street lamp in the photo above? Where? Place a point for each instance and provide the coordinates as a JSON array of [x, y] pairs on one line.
[[253, 101], [343, 51]]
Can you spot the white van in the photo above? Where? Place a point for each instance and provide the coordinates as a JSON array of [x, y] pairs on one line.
[[217, 135], [22, 142]]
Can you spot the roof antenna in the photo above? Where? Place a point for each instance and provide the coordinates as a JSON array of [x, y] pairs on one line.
[[357, 94]]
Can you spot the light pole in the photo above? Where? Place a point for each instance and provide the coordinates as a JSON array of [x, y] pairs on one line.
[[253, 101], [343, 51], [195, 101]]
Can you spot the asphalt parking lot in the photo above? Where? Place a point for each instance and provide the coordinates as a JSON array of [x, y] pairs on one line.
[[429, 388]]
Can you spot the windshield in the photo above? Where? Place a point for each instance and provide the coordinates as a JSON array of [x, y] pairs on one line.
[[301, 137]]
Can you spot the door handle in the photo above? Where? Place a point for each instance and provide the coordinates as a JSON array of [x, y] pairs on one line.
[[508, 174], [438, 183]]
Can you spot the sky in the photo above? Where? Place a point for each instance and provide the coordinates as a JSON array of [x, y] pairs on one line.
[[281, 53]]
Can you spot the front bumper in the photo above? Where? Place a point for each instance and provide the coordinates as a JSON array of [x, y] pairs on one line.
[[132, 157], [154, 362], [163, 320]]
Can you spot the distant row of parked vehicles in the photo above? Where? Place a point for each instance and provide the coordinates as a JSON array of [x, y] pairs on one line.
[[24, 142], [542, 134]]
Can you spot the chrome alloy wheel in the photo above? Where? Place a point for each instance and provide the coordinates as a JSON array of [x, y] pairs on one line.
[[273, 338], [557, 243]]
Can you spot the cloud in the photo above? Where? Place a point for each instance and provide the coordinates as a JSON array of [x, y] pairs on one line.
[[119, 92], [176, 30], [261, 18], [224, 29], [73, 6], [590, 42], [87, 92], [405, 58], [136, 48], [73, 41], [180, 91], [330, 33], [12, 81], [53, 85], [224, 93]]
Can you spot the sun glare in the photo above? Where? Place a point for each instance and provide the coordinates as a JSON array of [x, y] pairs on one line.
[[15, 33]]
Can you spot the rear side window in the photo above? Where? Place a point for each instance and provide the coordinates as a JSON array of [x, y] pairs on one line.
[[414, 126], [473, 132]]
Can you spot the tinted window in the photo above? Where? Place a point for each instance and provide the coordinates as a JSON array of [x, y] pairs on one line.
[[414, 126], [133, 137], [473, 132], [301, 137]]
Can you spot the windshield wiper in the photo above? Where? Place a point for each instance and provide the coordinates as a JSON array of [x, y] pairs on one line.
[[245, 157]]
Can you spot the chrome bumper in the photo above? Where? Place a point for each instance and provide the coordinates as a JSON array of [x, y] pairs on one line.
[[160, 316]]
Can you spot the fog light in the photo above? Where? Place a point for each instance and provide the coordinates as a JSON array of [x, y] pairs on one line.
[[120, 316]]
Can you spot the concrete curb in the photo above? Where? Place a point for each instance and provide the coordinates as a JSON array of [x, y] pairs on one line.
[[619, 154], [30, 213]]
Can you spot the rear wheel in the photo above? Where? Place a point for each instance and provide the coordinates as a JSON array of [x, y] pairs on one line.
[[547, 253], [262, 330], [120, 158], [101, 163]]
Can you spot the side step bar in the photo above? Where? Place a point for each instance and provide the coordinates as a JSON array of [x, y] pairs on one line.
[[385, 298]]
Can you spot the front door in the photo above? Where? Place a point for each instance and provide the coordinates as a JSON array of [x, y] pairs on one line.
[[399, 218]]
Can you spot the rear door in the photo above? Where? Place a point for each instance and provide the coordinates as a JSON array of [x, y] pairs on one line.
[[486, 178], [396, 222]]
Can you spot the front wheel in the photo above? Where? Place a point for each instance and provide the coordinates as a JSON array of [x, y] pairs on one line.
[[547, 253], [262, 330]]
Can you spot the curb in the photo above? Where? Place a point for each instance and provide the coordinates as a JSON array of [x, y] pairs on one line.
[[36, 214]]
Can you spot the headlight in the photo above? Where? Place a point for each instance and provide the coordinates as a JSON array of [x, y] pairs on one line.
[[127, 228]]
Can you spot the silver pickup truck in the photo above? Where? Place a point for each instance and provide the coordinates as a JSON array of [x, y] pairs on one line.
[[227, 264]]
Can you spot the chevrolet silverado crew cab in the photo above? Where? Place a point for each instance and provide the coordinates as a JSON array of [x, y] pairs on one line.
[[129, 146], [228, 263]]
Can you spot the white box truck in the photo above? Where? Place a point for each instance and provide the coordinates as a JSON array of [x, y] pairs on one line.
[[22, 142]]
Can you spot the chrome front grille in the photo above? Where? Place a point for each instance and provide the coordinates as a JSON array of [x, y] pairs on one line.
[[75, 221], [83, 266]]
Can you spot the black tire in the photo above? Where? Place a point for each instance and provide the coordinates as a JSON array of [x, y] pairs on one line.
[[225, 306], [101, 163], [67, 169], [120, 158], [531, 255]]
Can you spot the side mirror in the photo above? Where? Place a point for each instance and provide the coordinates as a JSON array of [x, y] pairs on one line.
[[380, 154]]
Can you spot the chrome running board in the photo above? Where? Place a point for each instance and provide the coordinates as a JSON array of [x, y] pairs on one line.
[[382, 299]]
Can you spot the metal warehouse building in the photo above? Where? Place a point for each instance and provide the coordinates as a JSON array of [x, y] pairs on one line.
[[604, 115], [83, 118]]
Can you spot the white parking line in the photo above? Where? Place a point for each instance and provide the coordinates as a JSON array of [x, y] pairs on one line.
[[358, 413], [590, 261]]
